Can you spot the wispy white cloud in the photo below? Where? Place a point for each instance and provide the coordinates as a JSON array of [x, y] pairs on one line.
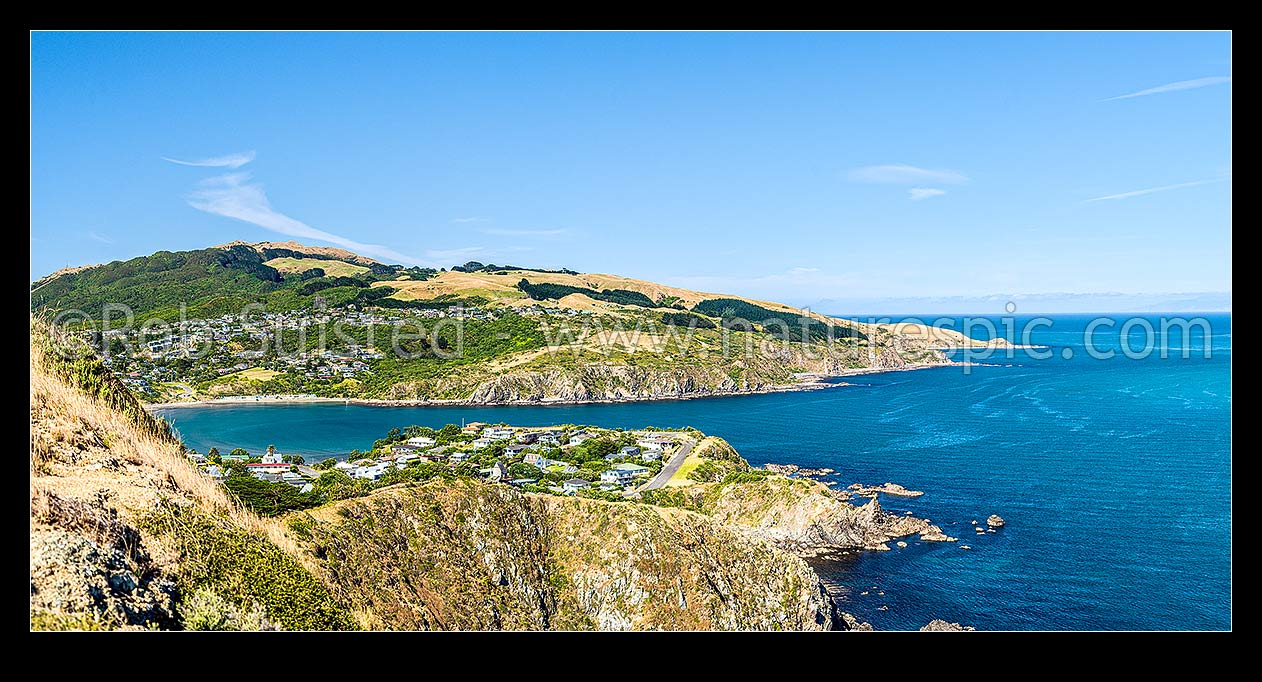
[[802, 271], [100, 238], [226, 161], [922, 193], [1175, 87], [469, 220], [233, 195], [1154, 190], [902, 174], [497, 232]]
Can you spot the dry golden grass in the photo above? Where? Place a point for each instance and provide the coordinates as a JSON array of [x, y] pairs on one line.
[[462, 284], [84, 451], [331, 268]]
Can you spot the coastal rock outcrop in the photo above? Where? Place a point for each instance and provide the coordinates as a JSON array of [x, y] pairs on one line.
[[887, 488], [806, 517], [939, 625], [995, 521]]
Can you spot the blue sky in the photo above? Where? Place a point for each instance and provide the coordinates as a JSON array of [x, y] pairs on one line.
[[836, 169]]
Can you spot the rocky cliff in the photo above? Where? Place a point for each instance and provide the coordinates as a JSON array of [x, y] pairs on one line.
[[587, 376], [470, 556], [807, 517]]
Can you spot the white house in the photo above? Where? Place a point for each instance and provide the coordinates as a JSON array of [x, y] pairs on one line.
[[497, 472], [372, 472], [498, 433], [482, 442], [650, 455], [458, 457], [574, 485], [273, 458], [422, 441], [617, 476], [345, 466]]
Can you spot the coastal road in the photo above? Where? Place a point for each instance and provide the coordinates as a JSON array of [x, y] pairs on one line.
[[671, 467]]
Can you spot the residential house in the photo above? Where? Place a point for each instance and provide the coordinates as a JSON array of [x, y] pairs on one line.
[[497, 472], [617, 476], [574, 485], [272, 458], [514, 450], [579, 438], [527, 437], [655, 442], [458, 457], [482, 443], [550, 439], [651, 455], [214, 471], [635, 469], [422, 442], [266, 476], [519, 482], [629, 451], [473, 428], [267, 467], [372, 472], [498, 433]]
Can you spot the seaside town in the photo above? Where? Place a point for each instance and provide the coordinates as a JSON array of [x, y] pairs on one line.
[[560, 460], [171, 362]]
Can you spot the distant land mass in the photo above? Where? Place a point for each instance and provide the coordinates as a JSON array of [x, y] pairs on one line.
[[526, 336], [1049, 303]]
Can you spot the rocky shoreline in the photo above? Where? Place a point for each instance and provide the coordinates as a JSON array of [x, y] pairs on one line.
[[814, 382]]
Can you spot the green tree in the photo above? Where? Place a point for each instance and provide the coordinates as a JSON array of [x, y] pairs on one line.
[[523, 470], [239, 452]]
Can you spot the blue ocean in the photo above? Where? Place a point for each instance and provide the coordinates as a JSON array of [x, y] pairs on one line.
[[1114, 475]]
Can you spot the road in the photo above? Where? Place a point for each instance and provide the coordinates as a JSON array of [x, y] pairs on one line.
[[670, 468]]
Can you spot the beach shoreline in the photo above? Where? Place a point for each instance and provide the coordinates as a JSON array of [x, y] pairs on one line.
[[815, 383]]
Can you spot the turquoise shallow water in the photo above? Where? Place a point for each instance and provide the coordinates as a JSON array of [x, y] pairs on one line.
[[1114, 476]]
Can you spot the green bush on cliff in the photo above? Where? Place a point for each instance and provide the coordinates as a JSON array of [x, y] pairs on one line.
[[245, 569]]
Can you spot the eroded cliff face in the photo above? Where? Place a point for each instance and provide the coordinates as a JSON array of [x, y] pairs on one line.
[[590, 377], [457, 556]]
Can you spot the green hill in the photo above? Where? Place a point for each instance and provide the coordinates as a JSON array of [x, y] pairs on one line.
[[528, 335]]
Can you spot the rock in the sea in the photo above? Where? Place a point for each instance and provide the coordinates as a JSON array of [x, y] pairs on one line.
[[939, 625], [883, 608], [965, 547], [935, 534], [995, 521], [887, 488], [900, 543]]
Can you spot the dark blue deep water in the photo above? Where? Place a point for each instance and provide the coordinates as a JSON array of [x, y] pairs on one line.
[[1114, 475]]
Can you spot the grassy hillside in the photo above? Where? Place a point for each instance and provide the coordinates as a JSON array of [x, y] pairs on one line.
[[217, 281], [127, 534], [533, 335]]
